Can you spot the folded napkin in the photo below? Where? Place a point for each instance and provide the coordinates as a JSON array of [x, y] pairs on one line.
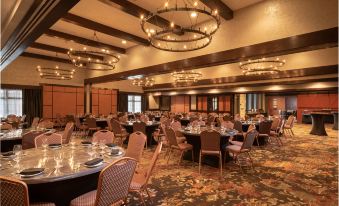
[[86, 142], [93, 162], [110, 145], [7, 154], [54, 145], [31, 171]]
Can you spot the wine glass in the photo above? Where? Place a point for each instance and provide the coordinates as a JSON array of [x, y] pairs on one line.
[[44, 144], [102, 146], [72, 142], [94, 143], [17, 149], [58, 157]]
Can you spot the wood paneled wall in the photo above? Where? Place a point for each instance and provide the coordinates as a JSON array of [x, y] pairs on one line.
[[62, 100], [180, 103], [316, 102], [104, 101], [202, 103], [224, 104]]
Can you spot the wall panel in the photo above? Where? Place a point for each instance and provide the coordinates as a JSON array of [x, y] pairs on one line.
[[104, 101]]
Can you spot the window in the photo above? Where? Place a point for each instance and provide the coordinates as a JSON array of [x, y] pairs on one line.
[[215, 103], [134, 103], [10, 102]]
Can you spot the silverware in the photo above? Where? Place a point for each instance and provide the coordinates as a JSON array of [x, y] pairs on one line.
[[53, 170]]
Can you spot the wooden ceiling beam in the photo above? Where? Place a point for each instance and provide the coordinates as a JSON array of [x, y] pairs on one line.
[[322, 39], [44, 57], [83, 41], [223, 10], [95, 26]]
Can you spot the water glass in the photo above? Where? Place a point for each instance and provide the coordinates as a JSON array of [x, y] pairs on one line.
[[17, 149], [72, 142], [58, 157], [44, 143]]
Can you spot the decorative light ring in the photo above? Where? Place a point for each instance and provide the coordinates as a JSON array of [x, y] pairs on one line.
[[144, 82], [55, 73], [94, 60], [262, 66], [186, 77], [181, 39]]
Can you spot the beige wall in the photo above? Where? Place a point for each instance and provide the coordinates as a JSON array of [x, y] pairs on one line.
[[22, 71]]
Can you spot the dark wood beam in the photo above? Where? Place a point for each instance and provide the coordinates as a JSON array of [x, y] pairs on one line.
[[223, 10], [47, 47], [84, 41], [40, 16], [92, 25], [137, 11], [293, 73], [300, 43], [44, 57]]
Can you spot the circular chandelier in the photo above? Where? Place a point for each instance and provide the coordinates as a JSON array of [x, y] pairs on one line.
[[93, 59], [144, 82], [55, 73], [261, 66], [186, 78], [190, 26]]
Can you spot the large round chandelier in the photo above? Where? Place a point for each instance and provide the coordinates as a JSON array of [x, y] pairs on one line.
[[190, 27], [55, 73], [93, 59], [262, 66], [186, 78], [143, 82]]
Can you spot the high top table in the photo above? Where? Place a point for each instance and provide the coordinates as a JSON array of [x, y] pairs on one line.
[[335, 122], [318, 126], [60, 185]]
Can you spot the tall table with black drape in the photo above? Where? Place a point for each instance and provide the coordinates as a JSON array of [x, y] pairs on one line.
[[32, 103]]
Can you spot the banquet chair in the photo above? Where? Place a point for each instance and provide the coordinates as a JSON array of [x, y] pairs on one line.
[[5, 126], [80, 127], [52, 138], [91, 125], [210, 145], [140, 179], [35, 122], [118, 131], [136, 145], [275, 129], [245, 148], [113, 185], [238, 126], [45, 123], [264, 131], [173, 144], [176, 126], [67, 133], [140, 127], [288, 127], [28, 139], [15, 193], [105, 135]]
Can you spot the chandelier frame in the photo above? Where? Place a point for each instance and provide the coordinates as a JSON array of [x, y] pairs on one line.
[[143, 82], [268, 66], [55, 73], [183, 78]]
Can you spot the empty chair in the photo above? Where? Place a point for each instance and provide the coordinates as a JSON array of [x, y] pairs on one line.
[[140, 180], [35, 122], [52, 138], [67, 134], [245, 148], [174, 145], [288, 127], [105, 135], [210, 145], [92, 125], [274, 133], [28, 139], [140, 127], [119, 132], [113, 185], [80, 127], [136, 145], [264, 131], [15, 193]]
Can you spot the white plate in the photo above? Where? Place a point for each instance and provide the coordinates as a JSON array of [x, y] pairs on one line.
[[92, 166], [118, 154]]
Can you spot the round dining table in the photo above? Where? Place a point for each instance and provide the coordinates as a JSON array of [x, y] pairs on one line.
[[150, 128], [193, 137], [64, 175]]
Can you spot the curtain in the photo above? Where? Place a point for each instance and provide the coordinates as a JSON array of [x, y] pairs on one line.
[[32, 103], [144, 105], [123, 102]]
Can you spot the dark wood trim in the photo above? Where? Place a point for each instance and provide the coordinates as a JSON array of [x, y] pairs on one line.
[[223, 10], [293, 73], [300, 43], [137, 11], [18, 86], [92, 25], [61, 85], [40, 16], [44, 57], [83, 41]]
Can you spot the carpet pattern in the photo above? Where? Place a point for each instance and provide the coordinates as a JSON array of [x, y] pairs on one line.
[[304, 171]]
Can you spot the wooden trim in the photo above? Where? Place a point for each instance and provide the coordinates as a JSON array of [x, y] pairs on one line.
[[18, 86], [223, 10], [326, 38], [40, 16], [293, 73], [83, 41], [92, 25], [44, 57]]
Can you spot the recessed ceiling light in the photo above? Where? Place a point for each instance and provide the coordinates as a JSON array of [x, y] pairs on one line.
[[124, 41]]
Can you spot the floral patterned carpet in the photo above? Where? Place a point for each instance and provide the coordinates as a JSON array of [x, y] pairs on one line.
[[304, 171]]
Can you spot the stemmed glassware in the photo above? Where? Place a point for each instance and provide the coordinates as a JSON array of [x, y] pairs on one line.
[[72, 142], [44, 144], [102, 146], [17, 152], [58, 157]]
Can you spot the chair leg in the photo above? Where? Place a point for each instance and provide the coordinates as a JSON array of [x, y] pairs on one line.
[[249, 156], [192, 155], [220, 163], [292, 132], [257, 141], [149, 195], [182, 154], [199, 161], [142, 198], [169, 154]]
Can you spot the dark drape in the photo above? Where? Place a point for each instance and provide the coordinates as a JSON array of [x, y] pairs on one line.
[[32, 103], [123, 102], [143, 103]]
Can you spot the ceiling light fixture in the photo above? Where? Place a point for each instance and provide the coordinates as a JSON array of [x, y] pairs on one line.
[[143, 82], [55, 73], [186, 78], [262, 66], [196, 31]]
